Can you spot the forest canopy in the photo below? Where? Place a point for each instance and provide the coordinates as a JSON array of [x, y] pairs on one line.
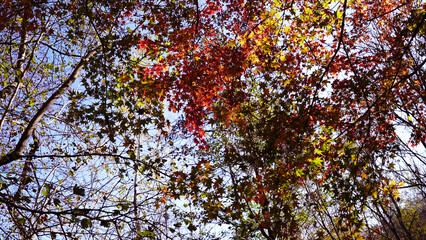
[[213, 119]]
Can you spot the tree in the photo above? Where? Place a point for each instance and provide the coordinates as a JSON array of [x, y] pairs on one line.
[[305, 113], [399, 222], [289, 116], [67, 113]]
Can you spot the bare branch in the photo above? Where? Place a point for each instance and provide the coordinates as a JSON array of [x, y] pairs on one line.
[[20, 146]]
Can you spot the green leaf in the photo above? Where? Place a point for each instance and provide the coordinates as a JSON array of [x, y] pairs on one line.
[[105, 223], [192, 228], [46, 192], [85, 223], [125, 207], [78, 190], [131, 154], [32, 103], [21, 221], [146, 233]]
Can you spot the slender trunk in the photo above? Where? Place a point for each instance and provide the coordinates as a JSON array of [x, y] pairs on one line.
[[27, 229], [21, 145], [13, 88], [135, 199]]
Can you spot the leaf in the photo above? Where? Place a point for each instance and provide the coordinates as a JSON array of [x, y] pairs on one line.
[[32, 102], [78, 191], [125, 206], [299, 172], [105, 223], [86, 223], [21, 221], [317, 151], [339, 14], [46, 192], [317, 162], [146, 233], [192, 228], [56, 201]]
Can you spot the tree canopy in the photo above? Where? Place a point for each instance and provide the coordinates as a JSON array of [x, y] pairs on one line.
[[234, 119]]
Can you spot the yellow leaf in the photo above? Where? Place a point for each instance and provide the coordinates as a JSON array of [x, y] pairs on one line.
[[305, 50], [339, 14], [207, 165], [287, 29], [317, 151], [308, 11], [254, 59]]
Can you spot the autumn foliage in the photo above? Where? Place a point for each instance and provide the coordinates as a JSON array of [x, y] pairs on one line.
[[297, 117], [304, 99]]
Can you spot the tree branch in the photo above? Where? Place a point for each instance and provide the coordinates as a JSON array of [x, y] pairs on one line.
[[20, 146]]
